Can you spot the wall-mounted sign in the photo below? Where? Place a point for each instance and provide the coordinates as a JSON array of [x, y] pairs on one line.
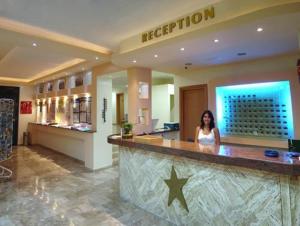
[[26, 107], [182, 23]]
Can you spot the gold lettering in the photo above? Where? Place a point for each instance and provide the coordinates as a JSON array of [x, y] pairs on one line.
[[171, 27], [196, 18], [150, 35], [180, 23], [144, 37], [165, 30], [156, 34], [209, 13], [187, 21]]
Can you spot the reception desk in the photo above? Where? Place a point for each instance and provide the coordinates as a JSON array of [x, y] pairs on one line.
[[189, 184], [74, 143]]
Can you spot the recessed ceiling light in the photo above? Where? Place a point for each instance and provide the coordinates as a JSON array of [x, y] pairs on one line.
[[216, 40], [34, 44], [260, 29], [182, 49], [155, 55], [97, 58], [134, 61]]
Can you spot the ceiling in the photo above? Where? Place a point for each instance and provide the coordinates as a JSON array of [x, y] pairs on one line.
[[280, 35], [103, 22], [25, 58], [72, 34]]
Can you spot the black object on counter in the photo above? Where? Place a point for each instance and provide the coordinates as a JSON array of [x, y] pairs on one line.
[[271, 153], [293, 155], [171, 125]]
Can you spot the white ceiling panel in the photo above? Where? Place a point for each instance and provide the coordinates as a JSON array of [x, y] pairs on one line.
[[22, 62], [104, 22]]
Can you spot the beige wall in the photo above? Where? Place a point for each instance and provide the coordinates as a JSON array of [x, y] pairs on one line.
[[136, 75], [263, 70], [100, 70], [26, 94]]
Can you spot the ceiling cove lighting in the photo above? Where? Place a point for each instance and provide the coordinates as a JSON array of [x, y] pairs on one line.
[[259, 29]]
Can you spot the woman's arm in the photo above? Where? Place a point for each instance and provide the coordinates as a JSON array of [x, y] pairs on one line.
[[217, 136], [196, 134]]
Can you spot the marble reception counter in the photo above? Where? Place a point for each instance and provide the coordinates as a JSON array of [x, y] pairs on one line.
[[189, 184]]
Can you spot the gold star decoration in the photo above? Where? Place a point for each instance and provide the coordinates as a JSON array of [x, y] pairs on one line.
[[175, 189]]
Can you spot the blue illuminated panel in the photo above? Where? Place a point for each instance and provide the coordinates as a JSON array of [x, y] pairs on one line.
[[258, 110]]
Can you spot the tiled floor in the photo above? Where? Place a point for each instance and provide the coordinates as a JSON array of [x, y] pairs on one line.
[[51, 189]]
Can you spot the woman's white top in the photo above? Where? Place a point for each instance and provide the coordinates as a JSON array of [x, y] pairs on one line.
[[208, 139]]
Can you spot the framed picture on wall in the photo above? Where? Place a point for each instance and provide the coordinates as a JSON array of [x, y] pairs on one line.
[[26, 107]]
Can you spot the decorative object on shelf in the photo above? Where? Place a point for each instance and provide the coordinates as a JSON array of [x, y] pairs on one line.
[[41, 88], [298, 69], [61, 106], [78, 81], [61, 84], [256, 110], [126, 131], [26, 107], [6, 133], [49, 87], [104, 109], [175, 189]]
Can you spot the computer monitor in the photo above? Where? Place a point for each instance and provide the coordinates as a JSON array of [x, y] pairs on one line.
[[294, 145]]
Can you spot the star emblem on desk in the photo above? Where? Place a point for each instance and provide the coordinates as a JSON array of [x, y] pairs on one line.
[[175, 189]]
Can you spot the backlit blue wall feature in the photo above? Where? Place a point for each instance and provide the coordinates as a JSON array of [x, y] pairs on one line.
[[259, 110]]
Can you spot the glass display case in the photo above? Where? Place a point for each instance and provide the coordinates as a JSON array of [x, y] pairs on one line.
[[82, 110]]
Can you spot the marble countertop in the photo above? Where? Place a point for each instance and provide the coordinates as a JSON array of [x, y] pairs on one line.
[[63, 127], [249, 157]]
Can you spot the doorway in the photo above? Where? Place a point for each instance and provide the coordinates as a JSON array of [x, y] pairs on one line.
[[193, 101], [120, 108], [14, 94]]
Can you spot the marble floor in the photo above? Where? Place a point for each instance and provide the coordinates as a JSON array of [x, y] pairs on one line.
[[49, 188]]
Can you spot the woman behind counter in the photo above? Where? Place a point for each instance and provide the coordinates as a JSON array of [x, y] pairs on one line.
[[206, 133]]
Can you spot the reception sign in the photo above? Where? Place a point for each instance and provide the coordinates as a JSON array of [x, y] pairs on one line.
[[26, 107]]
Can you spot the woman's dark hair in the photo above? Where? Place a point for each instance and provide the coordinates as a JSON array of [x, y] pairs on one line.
[[212, 120]]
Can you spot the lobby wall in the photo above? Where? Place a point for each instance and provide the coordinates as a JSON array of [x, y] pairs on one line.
[[26, 94], [261, 70]]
